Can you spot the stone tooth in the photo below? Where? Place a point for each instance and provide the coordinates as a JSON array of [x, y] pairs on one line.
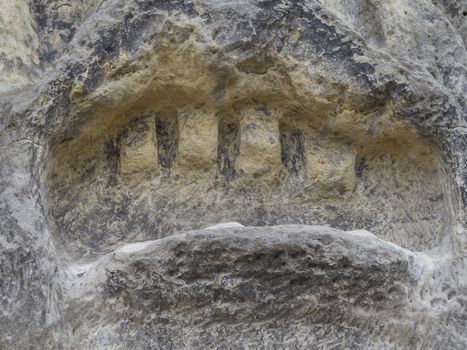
[[197, 144], [138, 151], [330, 167], [260, 147]]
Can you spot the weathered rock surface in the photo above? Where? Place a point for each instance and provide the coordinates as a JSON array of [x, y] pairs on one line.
[[146, 121], [191, 290]]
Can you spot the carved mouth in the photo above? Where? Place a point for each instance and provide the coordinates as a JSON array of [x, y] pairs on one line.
[[166, 172], [198, 145]]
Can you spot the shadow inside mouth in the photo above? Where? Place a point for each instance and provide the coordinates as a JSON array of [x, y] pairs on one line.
[[155, 176], [172, 158]]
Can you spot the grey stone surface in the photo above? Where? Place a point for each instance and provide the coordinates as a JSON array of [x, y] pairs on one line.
[[126, 127], [202, 284]]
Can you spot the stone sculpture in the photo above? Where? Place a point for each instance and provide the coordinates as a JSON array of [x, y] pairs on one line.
[[333, 132]]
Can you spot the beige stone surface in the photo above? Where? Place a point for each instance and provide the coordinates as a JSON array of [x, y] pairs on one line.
[[138, 150], [260, 152], [20, 45], [197, 143], [330, 166]]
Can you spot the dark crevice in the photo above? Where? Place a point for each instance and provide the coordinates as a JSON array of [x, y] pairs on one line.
[[228, 148], [167, 142], [292, 148], [111, 153]]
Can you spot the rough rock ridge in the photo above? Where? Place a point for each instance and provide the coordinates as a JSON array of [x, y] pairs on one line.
[[129, 127]]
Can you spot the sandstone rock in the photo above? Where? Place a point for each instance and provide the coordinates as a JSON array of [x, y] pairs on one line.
[[260, 152], [150, 294], [333, 132], [331, 167], [138, 150], [197, 144]]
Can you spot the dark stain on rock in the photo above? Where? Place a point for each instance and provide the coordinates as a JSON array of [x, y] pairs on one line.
[[292, 149], [324, 39], [256, 64], [111, 154], [116, 282], [228, 148], [167, 142], [360, 167]]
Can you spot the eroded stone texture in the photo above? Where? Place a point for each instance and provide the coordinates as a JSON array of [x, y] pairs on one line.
[[243, 277], [126, 125], [259, 154], [138, 148], [197, 143], [330, 165]]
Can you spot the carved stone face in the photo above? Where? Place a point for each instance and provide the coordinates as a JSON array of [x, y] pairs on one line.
[[203, 136], [338, 155]]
